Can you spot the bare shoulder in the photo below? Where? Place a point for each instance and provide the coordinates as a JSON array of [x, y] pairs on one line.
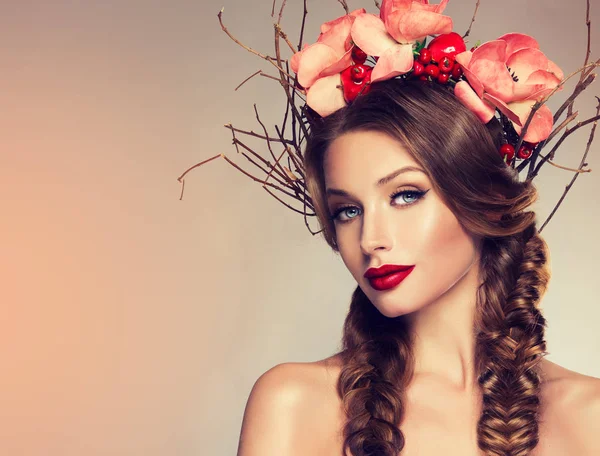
[[571, 410], [287, 403]]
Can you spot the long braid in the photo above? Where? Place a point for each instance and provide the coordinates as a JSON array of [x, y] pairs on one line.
[[511, 343], [378, 365]]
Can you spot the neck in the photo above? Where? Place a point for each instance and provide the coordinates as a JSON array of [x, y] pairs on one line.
[[443, 335]]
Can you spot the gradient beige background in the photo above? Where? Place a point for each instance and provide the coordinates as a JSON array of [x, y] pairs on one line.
[[136, 324]]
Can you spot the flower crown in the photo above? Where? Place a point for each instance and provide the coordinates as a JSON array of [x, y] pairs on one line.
[[507, 80]]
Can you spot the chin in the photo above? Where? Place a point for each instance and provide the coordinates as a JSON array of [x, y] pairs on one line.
[[391, 308]]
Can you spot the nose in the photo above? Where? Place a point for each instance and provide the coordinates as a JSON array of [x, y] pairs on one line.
[[376, 233]]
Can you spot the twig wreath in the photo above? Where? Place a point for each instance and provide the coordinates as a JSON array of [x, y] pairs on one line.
[[321, 78]]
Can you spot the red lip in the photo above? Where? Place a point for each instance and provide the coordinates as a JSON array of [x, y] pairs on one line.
[[391, 280], [385, 270]]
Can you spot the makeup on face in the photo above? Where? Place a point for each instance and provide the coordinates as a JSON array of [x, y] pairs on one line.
[[383, 232], [387, 276]]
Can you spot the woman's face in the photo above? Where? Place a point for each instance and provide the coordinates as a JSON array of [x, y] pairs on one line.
[[374, 227]]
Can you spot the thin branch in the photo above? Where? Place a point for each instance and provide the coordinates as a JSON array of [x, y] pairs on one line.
[[580, 87], [472, 20], [542, 144], [287, 205], [237, 143], [247, 79], [281, 12], [274, 166], [583, 163], [566, 168], [377, 4], [302, 26], [249, 49], [285, 37], [256, 135], [303, 92], [345, 5], [283, 81], [180, 178], [296, 159], [565, 122], [538, 104], [256, 179], [564, 136], [588, 23]]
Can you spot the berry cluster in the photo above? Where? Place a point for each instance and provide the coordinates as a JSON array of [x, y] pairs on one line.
[[436, 62], [356, 78], [507, 151]]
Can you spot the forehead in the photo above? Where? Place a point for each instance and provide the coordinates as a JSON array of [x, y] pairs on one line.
[[369, 154]]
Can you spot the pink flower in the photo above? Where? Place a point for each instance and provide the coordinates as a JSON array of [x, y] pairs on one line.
[[391, 35], [510, 74], [318, 66], [409, 21]]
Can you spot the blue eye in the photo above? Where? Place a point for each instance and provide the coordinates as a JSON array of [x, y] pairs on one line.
[[413, 197]]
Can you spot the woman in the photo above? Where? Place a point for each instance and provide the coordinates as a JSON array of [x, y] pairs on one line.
[[445, 355]]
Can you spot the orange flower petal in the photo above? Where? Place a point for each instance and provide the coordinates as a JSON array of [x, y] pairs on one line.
[[395, 61], [326, 95]]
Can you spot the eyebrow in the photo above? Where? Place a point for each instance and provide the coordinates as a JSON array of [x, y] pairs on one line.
[[384, 180]]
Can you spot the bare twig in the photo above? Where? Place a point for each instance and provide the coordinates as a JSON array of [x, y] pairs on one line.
[[580, 87], [239, 143], [285, 204], [564, 136], [345, 5], [249, 49], [274, 166], [542, 144], [302, 26], [180, 178], [566, 168], [588, 23], [564, 123], [283, 80], [256, 135], [472, 20], [281, 12], [247, 79], [285, 37], [296, 89], [538, 104], [377, 4], [583, 163]]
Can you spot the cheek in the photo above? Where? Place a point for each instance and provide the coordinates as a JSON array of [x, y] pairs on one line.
[[351, 255], [443, 248]]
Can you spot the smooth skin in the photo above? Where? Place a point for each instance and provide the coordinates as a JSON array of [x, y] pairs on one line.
[[294, 410]]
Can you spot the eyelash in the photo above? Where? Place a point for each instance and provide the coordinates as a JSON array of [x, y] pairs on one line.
[[418, 194]]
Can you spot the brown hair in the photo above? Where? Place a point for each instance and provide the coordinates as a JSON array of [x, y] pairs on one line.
[[462, 160]]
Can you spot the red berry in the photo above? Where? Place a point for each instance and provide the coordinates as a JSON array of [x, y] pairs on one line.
[[447, 44], [418, 68], [423, 77], [425, 56], [446, 64], [352, 88], [358, 73], [524, 152], [443, 78], [358, 55], [432, 70], [507, 150], [457, 71]]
